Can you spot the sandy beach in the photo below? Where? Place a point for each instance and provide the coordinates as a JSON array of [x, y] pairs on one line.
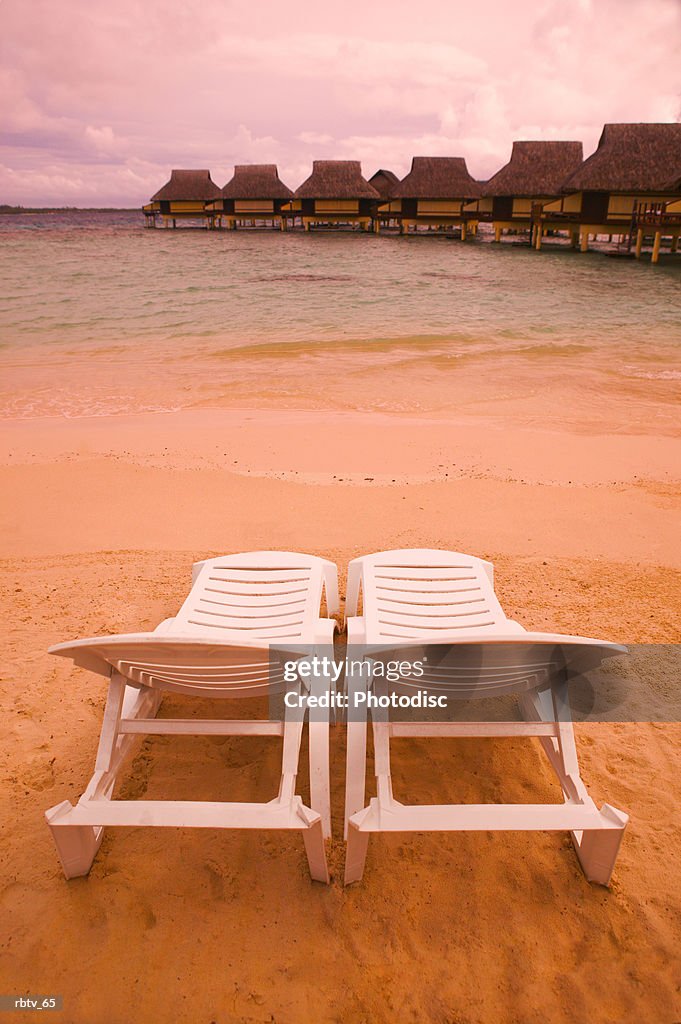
[[369, 279], [101, 520]]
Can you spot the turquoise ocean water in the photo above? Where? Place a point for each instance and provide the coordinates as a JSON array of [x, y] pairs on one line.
[[100, 316]]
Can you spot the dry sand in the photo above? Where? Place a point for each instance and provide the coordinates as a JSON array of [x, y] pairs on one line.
[[101, 520]]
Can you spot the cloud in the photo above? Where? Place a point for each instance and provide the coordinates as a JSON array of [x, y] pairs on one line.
[[101, 100], [102, 139], [315, 138]]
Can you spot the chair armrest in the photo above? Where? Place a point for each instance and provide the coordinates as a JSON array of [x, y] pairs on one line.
[[356, 630], [354, 582], [330, 571], [356, 640], [324, 631]]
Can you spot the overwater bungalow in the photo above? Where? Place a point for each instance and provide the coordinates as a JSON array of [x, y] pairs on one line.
[[659, 220], [514, 197], [636, 168], [335, 194], [386, 182], [184, 197], [254, 196], [434, 194]]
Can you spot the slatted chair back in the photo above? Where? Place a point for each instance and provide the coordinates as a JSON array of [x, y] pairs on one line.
[[428, 594], [259, 595]]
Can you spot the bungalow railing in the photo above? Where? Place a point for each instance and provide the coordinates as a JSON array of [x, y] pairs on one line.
[[655, 215]]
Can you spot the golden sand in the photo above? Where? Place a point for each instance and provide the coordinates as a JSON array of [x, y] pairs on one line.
[[101, 520]]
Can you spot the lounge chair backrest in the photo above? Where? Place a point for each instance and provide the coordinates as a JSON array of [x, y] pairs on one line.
[[258, 595], [418, 594]]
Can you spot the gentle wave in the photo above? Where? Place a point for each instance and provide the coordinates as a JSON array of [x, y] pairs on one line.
[[103, 317], [652, 374], [321, 278]]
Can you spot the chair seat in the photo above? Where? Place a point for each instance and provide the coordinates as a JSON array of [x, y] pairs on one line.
[[224, 642], [440, 607]]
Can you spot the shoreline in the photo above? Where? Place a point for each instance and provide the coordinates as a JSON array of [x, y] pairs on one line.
[[225, 480], [468, 443]]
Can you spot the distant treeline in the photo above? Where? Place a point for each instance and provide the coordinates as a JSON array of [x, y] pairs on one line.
[[6, 208]]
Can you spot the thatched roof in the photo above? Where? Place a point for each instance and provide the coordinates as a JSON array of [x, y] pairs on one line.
[[535, 169], [631, 158], [336, 179], [256, 181], [438, 177], [188, 185], [385, 182]]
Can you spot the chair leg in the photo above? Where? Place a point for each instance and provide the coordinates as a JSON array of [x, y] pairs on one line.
[[77, 845], [597, 849], [320, 792], [355, 854], [356, 750], [316, 853], [318, 742], [355, 770]]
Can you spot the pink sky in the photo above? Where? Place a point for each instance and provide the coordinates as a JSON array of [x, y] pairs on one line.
[[100, 100]]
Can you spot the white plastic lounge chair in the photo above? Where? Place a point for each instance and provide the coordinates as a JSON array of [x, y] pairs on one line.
[[433, 598], [222, 644]]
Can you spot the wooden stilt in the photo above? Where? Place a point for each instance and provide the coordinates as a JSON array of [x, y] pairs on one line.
[[539, 231], [639, 243], [675, 243], [497, 232], [585, 241], [463, 231], [656, 247]]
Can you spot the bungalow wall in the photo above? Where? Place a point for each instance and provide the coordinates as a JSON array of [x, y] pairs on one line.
[[435, 213], [388, 214], [250, 207], [506, 213], [254, 212], [336, 211], [171, 210], [600, 208], [588, 213]]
